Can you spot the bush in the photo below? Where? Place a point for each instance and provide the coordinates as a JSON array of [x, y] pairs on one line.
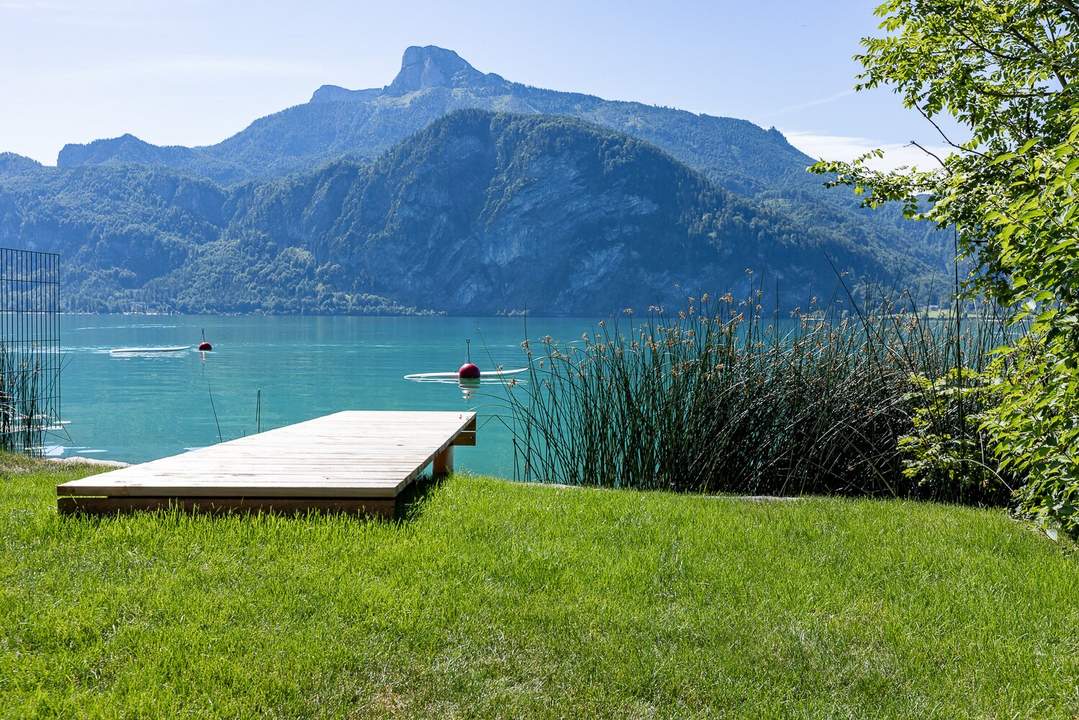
[[1036, 430], [1006, 73], [948, 447]]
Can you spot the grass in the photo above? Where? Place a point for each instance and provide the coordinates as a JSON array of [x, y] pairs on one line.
[[503, 600]]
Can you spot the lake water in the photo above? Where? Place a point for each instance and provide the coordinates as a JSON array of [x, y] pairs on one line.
[[140, 408]]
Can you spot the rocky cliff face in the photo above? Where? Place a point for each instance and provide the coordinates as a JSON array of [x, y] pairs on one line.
[[431, 82], [430, 67]]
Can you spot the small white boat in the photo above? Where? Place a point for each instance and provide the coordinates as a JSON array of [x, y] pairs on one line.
[[149, 350]]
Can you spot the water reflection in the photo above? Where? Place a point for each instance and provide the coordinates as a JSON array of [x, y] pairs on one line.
[[469, 386]]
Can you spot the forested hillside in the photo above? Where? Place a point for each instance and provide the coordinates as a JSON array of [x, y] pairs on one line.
[[478, 213]]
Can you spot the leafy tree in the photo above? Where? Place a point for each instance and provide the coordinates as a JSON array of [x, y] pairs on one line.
[[1007, 71]]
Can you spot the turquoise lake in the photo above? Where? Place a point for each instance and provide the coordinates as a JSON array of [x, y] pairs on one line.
[[140, 408]]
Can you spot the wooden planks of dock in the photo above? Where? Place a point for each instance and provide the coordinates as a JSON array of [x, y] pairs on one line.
[[353, 461]]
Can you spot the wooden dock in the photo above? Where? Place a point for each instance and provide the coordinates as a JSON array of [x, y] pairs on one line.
[[352, 461]]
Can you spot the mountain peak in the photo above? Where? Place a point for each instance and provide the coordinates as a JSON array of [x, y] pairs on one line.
[[432, 66]]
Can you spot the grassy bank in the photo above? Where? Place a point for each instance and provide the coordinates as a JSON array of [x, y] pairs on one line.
[[498, 599]]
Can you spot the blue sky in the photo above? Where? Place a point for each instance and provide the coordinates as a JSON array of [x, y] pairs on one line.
[[196, 72]]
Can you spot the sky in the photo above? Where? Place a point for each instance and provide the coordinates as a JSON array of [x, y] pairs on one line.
[[195, 72]]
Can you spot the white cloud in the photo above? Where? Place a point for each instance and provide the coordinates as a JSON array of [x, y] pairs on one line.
[[814, 103], [846, 147]]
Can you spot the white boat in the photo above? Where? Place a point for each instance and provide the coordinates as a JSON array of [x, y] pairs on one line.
[[149, 350]]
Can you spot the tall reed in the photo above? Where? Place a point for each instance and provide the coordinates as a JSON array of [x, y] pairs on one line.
[[22, 422], [719, 398]]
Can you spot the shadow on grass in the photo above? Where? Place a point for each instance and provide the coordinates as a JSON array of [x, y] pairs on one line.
[[409, 506], [414, 498]]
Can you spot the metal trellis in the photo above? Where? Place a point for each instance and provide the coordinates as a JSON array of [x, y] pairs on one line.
[[29, 349]]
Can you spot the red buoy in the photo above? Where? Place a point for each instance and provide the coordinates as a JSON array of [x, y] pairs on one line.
[[205, 346], [468, 371]]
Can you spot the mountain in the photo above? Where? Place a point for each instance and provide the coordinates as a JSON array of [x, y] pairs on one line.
[[361, 124], [114, 226], [129, 150], [12, 164], [479, 212], [433, 81]]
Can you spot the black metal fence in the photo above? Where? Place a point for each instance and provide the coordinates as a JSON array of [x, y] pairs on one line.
[[29, 349]]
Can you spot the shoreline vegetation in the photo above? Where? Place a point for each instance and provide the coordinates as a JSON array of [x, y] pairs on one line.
[[877, 398], [24, 385], [553, 602], [880, 398], [881, 401]]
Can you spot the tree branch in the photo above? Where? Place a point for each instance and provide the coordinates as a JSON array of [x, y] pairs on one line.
[[992, 53], [929, 153], [1067, 6], [947, 139], [1014, 95], [1038, 51]]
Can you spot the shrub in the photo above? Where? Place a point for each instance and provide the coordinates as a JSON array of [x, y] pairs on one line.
[[1036, 430], [948, 447]]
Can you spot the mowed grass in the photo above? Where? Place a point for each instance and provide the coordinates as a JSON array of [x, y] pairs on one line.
[[501, 600]]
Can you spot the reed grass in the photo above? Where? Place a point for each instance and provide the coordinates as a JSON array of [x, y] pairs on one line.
[[23, 423], [718, 397]]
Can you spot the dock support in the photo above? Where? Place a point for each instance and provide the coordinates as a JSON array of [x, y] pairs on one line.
[[443, 464]]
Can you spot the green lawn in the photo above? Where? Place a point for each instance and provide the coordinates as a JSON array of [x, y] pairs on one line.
[[503, 600]]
